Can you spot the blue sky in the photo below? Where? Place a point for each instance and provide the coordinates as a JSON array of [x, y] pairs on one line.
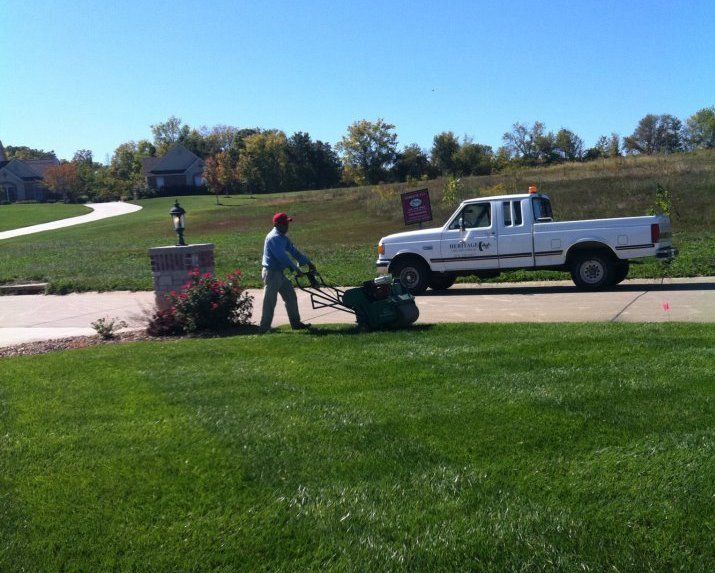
[[81, 74]]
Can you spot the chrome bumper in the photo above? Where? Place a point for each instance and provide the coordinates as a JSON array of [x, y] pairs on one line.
[[666, 253], [382, 267]]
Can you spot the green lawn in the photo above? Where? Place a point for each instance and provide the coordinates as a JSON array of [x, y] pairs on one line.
[[15, 216], [498, 448]]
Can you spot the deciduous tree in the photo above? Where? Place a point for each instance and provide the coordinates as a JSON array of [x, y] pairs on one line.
[[62, 179], [168, 133], [700, 129], [220, 174], [444, 147], [569, 146], [412, 162], [23, 152], [473, 159], [520, 141], [656, 134], [369, 149], [263, 161]]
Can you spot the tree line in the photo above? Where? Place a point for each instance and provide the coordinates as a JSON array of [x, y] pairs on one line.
[[254, 160]]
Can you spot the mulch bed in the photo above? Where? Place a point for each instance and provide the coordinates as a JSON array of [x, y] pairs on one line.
[[76, 342]]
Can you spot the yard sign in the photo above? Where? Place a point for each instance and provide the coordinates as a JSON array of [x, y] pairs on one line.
[[416, 206]]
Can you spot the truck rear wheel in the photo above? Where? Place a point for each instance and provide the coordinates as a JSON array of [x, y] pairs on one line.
[[620, 272], [441, 281], [412, 273], [592, 270]]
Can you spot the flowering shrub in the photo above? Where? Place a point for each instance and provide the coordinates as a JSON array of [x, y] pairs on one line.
[[205, 303]]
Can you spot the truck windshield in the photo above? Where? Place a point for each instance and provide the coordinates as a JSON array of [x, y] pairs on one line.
[[542, 209]]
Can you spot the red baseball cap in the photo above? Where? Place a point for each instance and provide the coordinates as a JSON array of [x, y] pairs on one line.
[[281, 219]]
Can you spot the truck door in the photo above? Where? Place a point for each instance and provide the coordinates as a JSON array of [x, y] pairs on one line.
[[515, 244], [470, 240]]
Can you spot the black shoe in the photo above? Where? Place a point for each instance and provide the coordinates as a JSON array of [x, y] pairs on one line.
[[301, 326]]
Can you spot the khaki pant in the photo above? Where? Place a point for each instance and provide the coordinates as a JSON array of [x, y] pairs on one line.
[[276, 282]]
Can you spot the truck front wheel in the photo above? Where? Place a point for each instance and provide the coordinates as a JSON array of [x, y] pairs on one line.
[[592, 270], [413, 274]]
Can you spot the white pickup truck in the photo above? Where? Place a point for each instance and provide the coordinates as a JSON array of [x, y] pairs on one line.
[[488, 235]]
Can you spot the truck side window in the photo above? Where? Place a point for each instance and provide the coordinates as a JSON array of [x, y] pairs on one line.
[[506, 207], [474, 216], [517, 212]]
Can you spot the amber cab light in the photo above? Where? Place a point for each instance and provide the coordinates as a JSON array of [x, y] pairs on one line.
[[654, 233], [380, 249]]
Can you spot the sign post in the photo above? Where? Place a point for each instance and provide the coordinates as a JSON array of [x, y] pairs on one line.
[[416, 207]]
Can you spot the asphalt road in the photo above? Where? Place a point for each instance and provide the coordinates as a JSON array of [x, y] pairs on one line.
[[38, 317]]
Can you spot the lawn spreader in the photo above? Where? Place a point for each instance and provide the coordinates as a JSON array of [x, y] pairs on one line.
[[381, 303]]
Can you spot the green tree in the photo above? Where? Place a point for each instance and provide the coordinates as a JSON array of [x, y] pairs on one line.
[[311, 164], [568, 145], [262, 165], [656, 134], [700, 129], [412, 162], [83, 156], [521, 142], [168, 133], [126, 162], [369, 149], [473, 159], [220, 174], [444, 147], [23, 152]]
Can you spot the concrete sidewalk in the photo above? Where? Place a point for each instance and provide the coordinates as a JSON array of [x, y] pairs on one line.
[[99, 211], [39, 317]]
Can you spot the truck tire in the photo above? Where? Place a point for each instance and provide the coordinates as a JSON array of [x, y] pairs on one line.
[[441, 281], [620, 272], [592, 270], [413, 274]]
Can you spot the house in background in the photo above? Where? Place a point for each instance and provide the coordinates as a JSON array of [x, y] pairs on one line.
[[179, 170], [21, 179]]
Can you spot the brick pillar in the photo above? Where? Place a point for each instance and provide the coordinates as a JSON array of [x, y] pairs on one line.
[[170, 267]]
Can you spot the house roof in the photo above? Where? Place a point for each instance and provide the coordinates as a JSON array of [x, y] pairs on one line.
[[40, 166], [22, 170], [177, 160], [148, 164]]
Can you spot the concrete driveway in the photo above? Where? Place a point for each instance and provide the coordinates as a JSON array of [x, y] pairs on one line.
[[39, 317], [99, 211]]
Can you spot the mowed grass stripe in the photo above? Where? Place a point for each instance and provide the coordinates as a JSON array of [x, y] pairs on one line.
[[501, 447]]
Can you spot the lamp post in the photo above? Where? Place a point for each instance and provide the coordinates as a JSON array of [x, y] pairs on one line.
[[178, 218]]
